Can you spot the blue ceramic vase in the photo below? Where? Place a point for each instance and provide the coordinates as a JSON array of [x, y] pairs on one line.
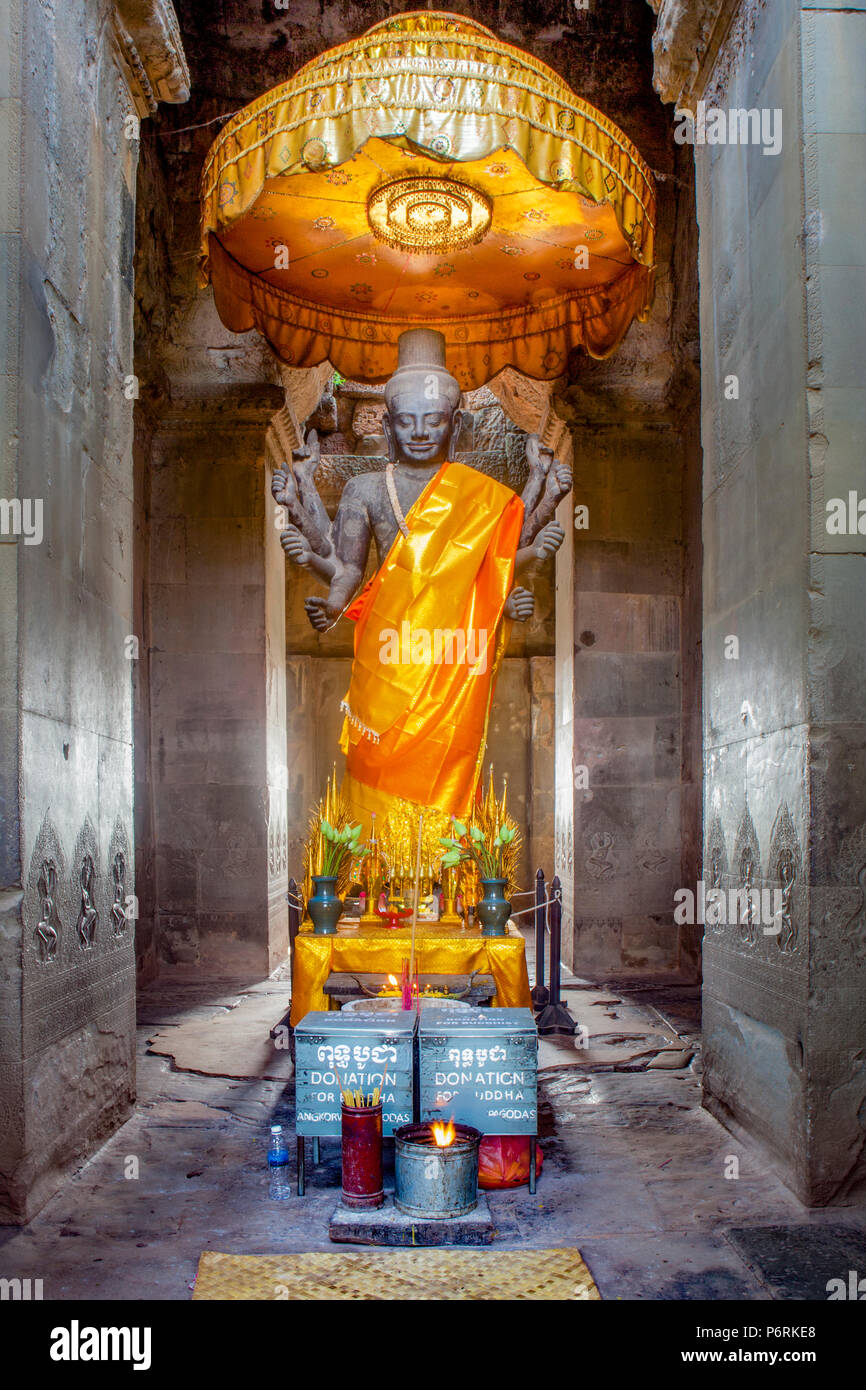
[[324, 906], [493, 909]]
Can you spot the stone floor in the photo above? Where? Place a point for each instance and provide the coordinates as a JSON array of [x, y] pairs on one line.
[[635, 1172]]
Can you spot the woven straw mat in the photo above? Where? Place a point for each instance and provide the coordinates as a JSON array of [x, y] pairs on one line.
[[397, 1275]]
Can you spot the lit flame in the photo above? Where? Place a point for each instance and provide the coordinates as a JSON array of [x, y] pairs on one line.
[[392, 980], [444, 1134]]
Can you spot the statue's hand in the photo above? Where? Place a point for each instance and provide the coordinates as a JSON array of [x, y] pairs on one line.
[[321, 613], [283, 486], [520, 605], [559, 480], [305, 460], [548, 540], [538, 456], [296, 546]]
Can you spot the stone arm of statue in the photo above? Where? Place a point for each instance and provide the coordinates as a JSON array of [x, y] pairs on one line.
[[351, 545], [545, 544], [305, 462], [549, 481], [294, 489], [520, 604], [539, 459]]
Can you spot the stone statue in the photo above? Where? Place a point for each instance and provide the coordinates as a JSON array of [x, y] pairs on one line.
[[422, 422]]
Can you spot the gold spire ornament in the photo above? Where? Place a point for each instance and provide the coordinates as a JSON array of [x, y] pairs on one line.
[[335, 810], [371, 880]]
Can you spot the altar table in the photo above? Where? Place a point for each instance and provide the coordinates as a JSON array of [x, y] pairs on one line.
[[438, 950]]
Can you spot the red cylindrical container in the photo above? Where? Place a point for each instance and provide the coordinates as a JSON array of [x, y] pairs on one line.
[[362, 1157]]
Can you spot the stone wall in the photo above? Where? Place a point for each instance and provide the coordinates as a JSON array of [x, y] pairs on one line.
[[782, 313], [66, 949]]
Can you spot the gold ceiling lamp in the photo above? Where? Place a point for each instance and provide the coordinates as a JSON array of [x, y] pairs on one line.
[[431, 216], [428, 175]]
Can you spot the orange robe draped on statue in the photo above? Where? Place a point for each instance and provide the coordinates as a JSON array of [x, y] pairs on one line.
[[428, 640]]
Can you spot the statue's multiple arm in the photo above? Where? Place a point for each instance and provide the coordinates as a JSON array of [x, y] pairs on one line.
[[305, 461], [307, 540], [351, 543], [337, 554], [548, 482]]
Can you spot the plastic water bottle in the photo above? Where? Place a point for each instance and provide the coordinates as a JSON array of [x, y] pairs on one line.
[[278, 1165]]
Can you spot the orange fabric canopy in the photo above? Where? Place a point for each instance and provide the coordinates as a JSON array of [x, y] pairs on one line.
[[428, 174]]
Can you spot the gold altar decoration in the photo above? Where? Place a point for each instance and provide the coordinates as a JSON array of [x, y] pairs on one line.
[[335, 810], [400, 835], [346, 206], [489, 816]]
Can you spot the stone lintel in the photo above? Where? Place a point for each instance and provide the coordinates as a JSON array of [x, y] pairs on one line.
[[150, 52], [686, 43]]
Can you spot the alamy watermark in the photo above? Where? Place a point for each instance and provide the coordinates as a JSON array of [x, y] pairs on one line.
[[713, 125], [77, 1343], [421, 646], [22, 517], [854, 1289], [713, 907], [20, 1290], [846, 517]]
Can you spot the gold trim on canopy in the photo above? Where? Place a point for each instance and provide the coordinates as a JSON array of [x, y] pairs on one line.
[[290, 247]]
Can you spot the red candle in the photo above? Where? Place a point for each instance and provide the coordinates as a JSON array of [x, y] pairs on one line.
[[405, 986]]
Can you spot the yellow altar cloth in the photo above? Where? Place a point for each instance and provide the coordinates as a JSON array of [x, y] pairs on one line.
[[439, 950]]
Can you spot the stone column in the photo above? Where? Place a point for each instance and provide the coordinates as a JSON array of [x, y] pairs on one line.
[[783, 307], [73, 85], [620, 702], [217, 701]]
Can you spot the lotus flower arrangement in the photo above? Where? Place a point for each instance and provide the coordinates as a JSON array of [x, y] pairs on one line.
[[339, 846], [486, 850]]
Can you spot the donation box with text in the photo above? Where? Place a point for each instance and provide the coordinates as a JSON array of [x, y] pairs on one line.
[[368, 1050], [480, 1067]]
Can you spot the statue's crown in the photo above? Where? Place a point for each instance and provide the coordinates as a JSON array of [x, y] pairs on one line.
[[421, 355]]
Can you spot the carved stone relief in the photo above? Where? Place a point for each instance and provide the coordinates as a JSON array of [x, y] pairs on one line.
[[786, 866], [598, 863], [716, 868], [86, 886], [88, 916], [747, 868], [48, 927], [45, 907], [119, 900], [851, 869]]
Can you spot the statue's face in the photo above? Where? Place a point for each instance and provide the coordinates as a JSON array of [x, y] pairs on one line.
[[420, 431]]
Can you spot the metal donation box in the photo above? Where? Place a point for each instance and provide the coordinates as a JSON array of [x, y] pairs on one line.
[[480, 1068], [363, 1048]]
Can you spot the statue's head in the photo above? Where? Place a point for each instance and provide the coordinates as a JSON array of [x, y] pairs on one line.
[[422, 416]]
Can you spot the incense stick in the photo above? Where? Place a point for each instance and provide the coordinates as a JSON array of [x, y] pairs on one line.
[[415, 910]]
